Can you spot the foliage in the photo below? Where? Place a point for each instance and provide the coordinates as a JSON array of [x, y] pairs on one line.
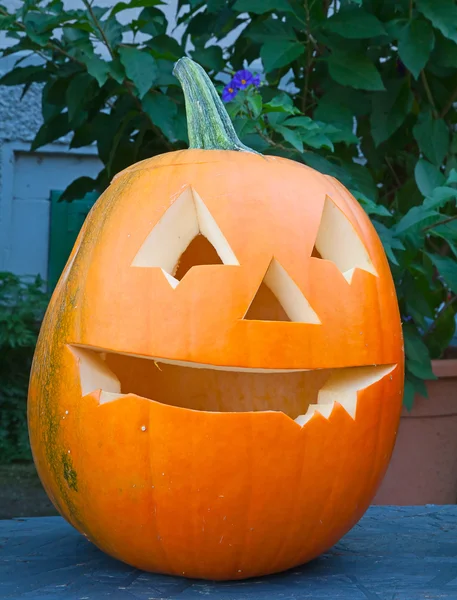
[[360, 89], [22, 305]]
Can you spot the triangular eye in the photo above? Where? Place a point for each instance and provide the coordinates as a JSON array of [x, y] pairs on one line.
[[338, 242], [186, 236], [199, 252], [280, 299]]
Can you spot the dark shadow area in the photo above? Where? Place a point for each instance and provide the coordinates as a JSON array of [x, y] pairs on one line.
[[21, 492]]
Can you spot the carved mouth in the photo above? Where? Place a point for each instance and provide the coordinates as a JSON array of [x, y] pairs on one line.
[[297, 393]]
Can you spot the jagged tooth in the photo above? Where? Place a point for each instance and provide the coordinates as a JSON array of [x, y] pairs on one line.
[[109, 397], [347, 401], [348, 275], [344, 385], [302, 419], [171, 280], [324, 409]]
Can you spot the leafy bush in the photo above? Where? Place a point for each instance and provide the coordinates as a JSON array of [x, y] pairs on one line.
[[359, 89], [22, 306]]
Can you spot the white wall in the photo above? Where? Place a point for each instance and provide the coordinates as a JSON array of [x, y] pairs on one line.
[[27, 181]]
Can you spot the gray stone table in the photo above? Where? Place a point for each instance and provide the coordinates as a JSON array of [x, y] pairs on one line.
[[394, 553]]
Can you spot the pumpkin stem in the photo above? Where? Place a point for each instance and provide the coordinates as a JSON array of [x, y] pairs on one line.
[[208, 123]]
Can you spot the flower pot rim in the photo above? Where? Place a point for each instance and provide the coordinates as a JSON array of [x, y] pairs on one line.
[[442, 400], [445, 367]]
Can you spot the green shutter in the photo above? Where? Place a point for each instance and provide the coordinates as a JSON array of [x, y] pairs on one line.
[[66, 221]]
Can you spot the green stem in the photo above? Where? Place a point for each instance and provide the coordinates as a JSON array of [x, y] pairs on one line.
[[208, 123], [429, 93]]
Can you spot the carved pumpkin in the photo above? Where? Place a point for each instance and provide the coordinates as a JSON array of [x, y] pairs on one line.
[[218, 380]]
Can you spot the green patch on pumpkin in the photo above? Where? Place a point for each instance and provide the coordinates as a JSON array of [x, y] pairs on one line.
[[69, 473]]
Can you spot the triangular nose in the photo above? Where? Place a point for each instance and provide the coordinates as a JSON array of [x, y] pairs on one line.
[[186, 220], [283, 291]]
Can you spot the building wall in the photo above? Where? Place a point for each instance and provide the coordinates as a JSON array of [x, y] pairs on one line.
[[26, 181]]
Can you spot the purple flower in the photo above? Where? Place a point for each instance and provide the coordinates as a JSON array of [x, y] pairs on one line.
[[242, 79], [229, 92], [256, 80]]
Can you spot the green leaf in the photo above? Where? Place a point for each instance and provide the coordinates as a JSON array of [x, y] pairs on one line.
[[260, 7], [447, 268], [432, 135], [267, 30], [78, 92], [99, 12], [370, 207], [77, 41], [162, 111], [78, 189], [21, 75], [362, 179], [441, 196], [98, 68], [6, 21], [395, 27], [442, 14], [39, 26], [390, 110], [116, 70], [415, 216], [302, 121], [112, 30], [417, 354], [413, 386], [354, 23], [445, 51], [415, 45], [152, 21], [53, 98], [447, 231], [427, 176], [316, 139], [281, 103], [210, 57], [389, 241], [325, 166], [120, 6], [256, 142], [354, 70], [408, 395], [140, 67], [243, 126], [255, 104], [441, 332], [215, 6], [291, 136], [441, 231], [51, 130], [420, 369], [165, 76], [331, 109], [280, 53], [452, 177], [164, 46]]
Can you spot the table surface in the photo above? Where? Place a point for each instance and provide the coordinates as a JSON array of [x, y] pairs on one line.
[[394, 553]]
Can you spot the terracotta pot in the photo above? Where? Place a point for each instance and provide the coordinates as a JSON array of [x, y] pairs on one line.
[[423, 469]]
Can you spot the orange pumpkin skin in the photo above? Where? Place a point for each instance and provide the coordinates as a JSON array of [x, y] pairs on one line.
[[219, 495]]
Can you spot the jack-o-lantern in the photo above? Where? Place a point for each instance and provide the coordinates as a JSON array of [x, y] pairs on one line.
[[218, 380]]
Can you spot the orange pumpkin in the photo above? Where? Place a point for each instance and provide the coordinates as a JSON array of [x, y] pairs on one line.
[[218, 379]]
